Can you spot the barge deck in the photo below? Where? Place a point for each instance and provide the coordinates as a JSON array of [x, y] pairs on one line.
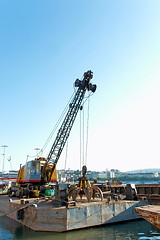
[[150, 213], [41, 215]]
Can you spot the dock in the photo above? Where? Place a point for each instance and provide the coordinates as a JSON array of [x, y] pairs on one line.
[[41, 215]]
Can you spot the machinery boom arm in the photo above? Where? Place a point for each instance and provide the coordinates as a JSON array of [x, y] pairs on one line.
[[68, 121]]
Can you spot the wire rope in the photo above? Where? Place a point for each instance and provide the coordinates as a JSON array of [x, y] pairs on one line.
[[57, 124], [83, 135], [87, 131], [83, 145], [80, 147], [66, 155], [54, 129]]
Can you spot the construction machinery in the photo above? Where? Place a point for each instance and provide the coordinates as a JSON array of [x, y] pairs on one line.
[[43, 170]]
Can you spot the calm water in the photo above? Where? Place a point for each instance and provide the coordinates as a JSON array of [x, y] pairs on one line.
[[142, 230]]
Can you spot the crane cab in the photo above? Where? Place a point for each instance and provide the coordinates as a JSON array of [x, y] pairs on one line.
[[32, 171]]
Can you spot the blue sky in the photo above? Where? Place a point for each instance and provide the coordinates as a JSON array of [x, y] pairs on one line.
[[46, 45]]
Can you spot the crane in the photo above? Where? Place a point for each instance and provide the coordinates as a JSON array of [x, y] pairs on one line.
[[64, 131], [43, 170]]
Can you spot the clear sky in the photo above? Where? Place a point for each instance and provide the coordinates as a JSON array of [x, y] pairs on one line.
[[46, 45]]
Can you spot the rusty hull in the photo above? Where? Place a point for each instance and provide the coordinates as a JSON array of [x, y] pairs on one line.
[[150, 213], [44, 217]]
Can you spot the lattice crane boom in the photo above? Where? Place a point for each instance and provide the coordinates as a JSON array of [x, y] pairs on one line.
[[64, 131]]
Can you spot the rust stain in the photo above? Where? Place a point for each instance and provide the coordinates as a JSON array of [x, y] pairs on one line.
[[150, 213]]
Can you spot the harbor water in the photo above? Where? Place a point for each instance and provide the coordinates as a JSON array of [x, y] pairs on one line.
[[138, 230]]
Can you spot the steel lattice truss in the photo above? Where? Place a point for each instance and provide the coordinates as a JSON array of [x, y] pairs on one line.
[[69, 119]]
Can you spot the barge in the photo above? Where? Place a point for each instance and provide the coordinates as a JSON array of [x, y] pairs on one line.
[[151, 192], [43, 215], [150, 213]]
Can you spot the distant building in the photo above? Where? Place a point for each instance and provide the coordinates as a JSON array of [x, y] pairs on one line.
[[102, 175], [9, 175], [156, 174], [112, 174]]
